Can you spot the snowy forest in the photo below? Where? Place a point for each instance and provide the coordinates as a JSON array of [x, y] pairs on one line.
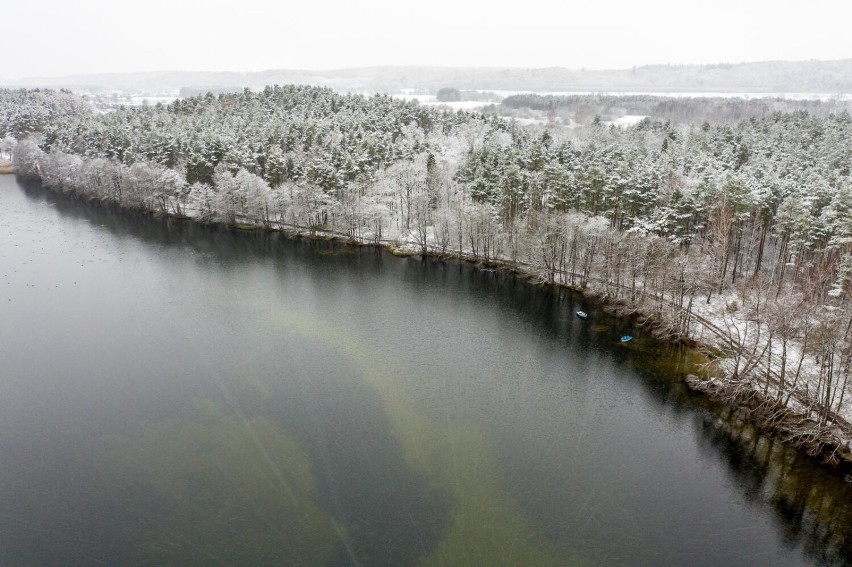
[[728, 227]]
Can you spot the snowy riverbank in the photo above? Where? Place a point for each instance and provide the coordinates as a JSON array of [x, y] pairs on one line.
[[713, 324], [709, 235]]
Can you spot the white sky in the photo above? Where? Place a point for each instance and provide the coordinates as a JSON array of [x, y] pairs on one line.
[[62, 37]]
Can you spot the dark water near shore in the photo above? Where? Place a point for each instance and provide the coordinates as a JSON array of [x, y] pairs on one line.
[[172, 394]]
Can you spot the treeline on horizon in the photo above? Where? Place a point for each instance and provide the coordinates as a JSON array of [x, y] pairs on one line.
[[661, 217], [827, 77], [681, 110]]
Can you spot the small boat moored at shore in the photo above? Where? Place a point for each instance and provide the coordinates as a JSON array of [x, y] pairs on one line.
[[582, 314], [626, 338]]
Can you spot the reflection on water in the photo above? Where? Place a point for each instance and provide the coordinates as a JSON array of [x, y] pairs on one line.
[[813, 507], [177, 394]]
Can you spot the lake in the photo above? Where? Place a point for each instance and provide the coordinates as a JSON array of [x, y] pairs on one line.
[[176, 394]]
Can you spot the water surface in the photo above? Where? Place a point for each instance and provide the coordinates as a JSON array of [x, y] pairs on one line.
[[177, 394]]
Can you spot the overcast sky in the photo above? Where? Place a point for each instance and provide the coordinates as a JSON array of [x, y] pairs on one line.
[[61, 37]]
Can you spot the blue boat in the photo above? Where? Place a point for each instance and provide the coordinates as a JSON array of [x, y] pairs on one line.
[[626, 338], [582, 314]]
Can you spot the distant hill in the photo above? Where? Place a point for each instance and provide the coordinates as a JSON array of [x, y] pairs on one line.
[[780, 77]]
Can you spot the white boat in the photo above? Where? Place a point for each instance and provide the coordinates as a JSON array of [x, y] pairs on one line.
[[582, 314]]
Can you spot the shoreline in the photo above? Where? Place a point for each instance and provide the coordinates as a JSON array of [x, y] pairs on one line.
[[748, 404]]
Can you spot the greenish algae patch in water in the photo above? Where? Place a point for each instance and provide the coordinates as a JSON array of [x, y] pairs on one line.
[[486, 526], [668, 361], [235, 485]]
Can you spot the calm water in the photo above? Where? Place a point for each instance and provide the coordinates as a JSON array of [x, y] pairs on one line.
[[173, 394]]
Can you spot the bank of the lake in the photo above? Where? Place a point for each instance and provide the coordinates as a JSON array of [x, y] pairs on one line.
[[272, 400], [706, 377], [703, 375]]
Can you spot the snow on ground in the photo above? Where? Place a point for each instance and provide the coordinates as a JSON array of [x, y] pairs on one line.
[[430, 100], [719, 313], [626, 120], [530, 121]]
